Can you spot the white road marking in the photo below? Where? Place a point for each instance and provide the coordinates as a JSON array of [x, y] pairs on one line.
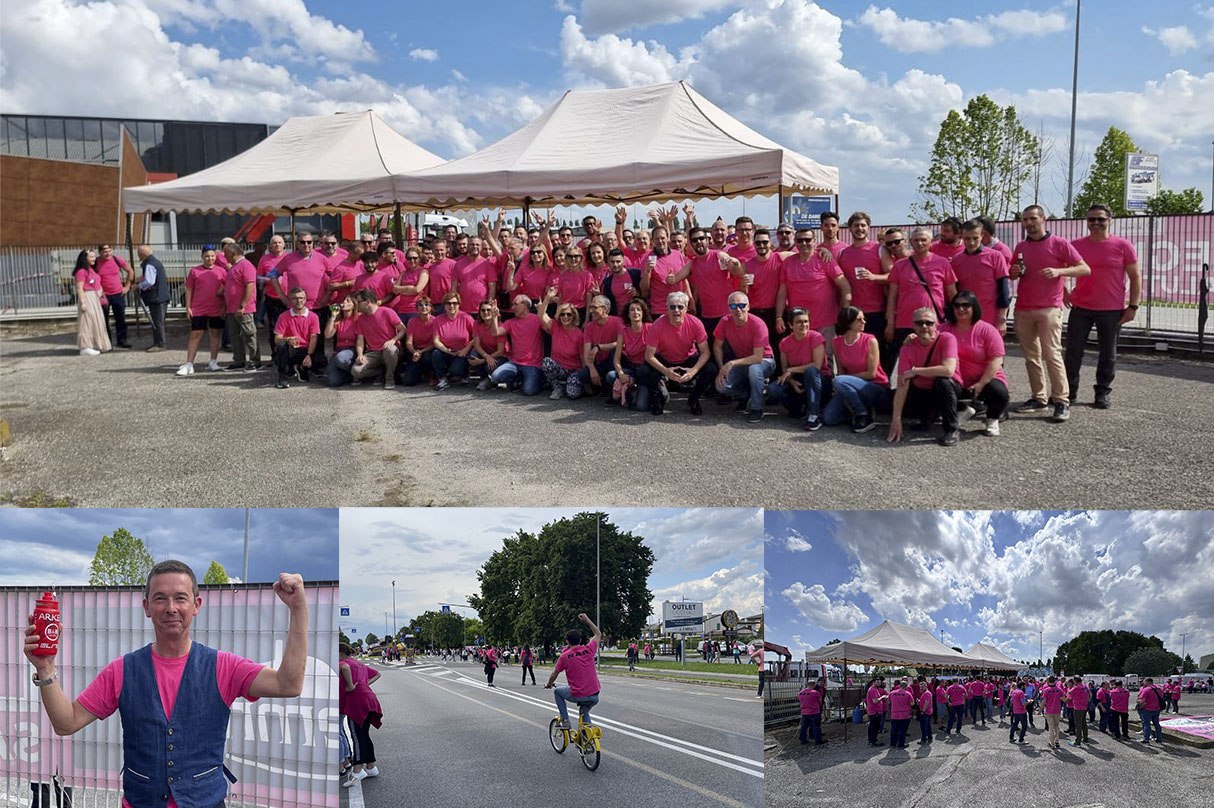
[[356, 795]]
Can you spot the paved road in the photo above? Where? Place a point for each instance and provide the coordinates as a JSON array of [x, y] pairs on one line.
[[121, 429], [981, 769], [448, 739]]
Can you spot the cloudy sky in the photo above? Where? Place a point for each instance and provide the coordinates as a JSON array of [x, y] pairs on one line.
[[996, 577], [56, 545], [858, 85], [712, 555]]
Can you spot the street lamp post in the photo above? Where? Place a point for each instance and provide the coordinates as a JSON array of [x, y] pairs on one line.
[[1070, 166], [394, 608], [1182, 647]]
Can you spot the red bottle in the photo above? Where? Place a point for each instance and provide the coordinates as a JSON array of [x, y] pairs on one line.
[[46, 623]]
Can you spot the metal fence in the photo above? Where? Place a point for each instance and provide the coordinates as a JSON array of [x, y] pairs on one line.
[[282, 751], [781, 705]]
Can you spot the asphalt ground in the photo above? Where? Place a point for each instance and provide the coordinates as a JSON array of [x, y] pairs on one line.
[[980, 769], [448, 739], [122, 430]]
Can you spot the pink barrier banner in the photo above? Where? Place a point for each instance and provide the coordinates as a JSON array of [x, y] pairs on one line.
[[1200, 725]]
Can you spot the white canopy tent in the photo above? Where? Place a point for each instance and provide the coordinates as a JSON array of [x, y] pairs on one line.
[[989, 657], [321, 164], [892, 644], [640, 144]]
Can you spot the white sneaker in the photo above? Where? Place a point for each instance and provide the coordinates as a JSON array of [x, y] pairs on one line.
[[966, 414], [90, 352], [443, 384], [372, 772], [992, 428], [354, 777], [213, 365], [484, 385], [186, 370], [557, 392]]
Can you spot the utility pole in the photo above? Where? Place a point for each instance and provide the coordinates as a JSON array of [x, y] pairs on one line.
[[394, 608], [1070, 166], [245, 574], [1182, 647]]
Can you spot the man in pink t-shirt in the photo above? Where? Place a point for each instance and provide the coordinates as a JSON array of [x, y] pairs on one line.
[[577, 661], [145, 686], [1042, 263], [929, 379], [751, 361], [378, 331], [1099, 300], [240, 302], [295, 336]]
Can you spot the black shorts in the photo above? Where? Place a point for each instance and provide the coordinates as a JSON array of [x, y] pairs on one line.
[[204, 323]]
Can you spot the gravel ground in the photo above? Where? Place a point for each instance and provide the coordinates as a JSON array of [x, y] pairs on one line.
[[122, 430], [981, 769]]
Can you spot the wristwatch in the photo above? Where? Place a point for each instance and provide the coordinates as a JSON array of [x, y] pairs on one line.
[[1133, 306], [48, 680]]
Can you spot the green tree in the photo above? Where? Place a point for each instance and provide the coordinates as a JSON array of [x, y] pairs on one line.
[[1167, 202], [1101, 652], [438, 630], [341, 637], [1189, 665], [216, 574], [121, 560], [1152, 660], [1105, 184], [372, 639], [533, 588], [980, 162]]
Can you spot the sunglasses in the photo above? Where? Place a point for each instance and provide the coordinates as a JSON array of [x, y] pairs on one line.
[[422, 306], [676, 307], [309, 241], [963, 305], [805, 241], [1098, 218], [737, 306], [924, 323], [329, 243], [573, 255], [537, 253], [893, 241], [699, 238], [763, 243], [450, 302]]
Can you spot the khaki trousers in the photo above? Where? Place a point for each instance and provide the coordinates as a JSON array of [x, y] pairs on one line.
[[1040, 335]]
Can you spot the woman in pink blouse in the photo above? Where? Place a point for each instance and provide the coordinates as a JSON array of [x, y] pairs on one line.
[[91, 337], [564, 360], [980, 355]]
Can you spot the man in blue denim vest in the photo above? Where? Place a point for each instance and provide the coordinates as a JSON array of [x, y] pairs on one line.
[[174, 695]]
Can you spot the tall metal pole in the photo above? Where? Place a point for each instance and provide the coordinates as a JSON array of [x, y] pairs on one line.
[[394, 608], [245, 574], [1040, 646], [597, 585], [1070, 166], [1212, 177], [1182, 646]]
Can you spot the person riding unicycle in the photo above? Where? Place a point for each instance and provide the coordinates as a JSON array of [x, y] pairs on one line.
[[577, 661]]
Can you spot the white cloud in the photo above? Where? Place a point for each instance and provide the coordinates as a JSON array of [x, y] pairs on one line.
[[1177, 39], [613, 16], [908, 35], [423, 54], [821, 613], [693, 538], [458, 76], [739, 587], [795, 542], [1028, 518], [614, 61]]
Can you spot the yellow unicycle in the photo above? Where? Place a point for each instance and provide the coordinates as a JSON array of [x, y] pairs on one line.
[[585, 737]]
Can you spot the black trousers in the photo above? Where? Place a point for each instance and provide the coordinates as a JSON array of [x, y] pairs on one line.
[[116, 310], [319, 362], [1108, 329], [649, 378], [286, 359], [362, 750], [274, 307], [527, 668], [940, 399], [489, 671], [874, 323], [994, 397], [156, 312]]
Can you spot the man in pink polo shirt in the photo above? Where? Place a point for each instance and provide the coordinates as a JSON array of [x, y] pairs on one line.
[[378, 331], [1052, 694], [1079, 694], [676, 349], [761, 279], [1042, 264], [1099, 300], [308, 270], [929, 379], [900, 702], [920, 279], [956, 705], [240, 302], [1150, 703], [812, 280], [295, 336], [175, 684], [712, 273], [949, 245], [812, 699], [751, 361], [116, 277], [577, 661], [660, 264], [984, 272]]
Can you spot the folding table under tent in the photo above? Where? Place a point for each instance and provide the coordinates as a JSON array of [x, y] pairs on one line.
[[988, 657], [640, 144], [319, 164]]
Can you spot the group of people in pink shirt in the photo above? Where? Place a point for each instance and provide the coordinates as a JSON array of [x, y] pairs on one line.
[[905, 324]]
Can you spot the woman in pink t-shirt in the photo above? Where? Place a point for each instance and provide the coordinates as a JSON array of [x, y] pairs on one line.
[[91, 335], [860, 387], [488, 347], [204, 306], [980, 355], [340, 329], [802, 368], [564, 360], [452, 342], [419, 342], [629, 355]]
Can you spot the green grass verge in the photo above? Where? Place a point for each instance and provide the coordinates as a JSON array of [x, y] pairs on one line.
[[692, 667]]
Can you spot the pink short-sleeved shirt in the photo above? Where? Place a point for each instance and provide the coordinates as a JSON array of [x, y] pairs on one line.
[[89, 279], [298, 325], [937, 273], [873, 705], [867, 295], [1018, 707], [1052, 695], [811, 701], [422, 332], [1035, 291], [268, 263], [956, 694], [526, 342], [799, 352], [377, 328], [946, 251], [474, 275], [380, 281], [442, 274], [207, 285], [608, 331], [668, 264], [745, 338], [111, 271], [306, 273], [1119, 700], [977, 689], [567, 346], [941, 694], [634, 343], [343, 333], [490, 341], [454, 332], [341, 272], [712, 285], [407, 304], [532, 280], [975, 349], [853, 359], [811, 284], [237, 280], [925, 701], [1079, 696], [1149, 697], [741, 253], [980, 273], [676, 344], [766, 272], [1105, 288], [578, 664], [900, 702], [915, 355], [572, 287]]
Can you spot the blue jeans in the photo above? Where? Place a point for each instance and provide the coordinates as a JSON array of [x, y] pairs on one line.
[[1021, 720], [445, 364], [1150, 718], [897, 734], [338, 371], [508, 372], [810, 402], [925, 727], [585, 703], [747, 381], [855, 396], [955, 711], [814, 724], [604, 368]]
